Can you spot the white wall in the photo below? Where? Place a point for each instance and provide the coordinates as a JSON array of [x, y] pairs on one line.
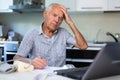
[[88, 23]]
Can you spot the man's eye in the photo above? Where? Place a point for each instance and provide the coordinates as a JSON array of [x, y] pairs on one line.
[[54, 15], [60, 18]]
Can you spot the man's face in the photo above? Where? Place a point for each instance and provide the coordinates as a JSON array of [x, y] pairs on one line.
[[53, 18]]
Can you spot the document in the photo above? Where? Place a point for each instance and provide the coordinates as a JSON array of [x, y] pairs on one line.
[[39, 74], [48, 74]]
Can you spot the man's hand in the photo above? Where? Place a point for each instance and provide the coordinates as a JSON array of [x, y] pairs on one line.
[[66, 15], [39, 63]]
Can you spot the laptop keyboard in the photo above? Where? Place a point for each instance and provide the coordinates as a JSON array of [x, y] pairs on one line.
[[75, 73]]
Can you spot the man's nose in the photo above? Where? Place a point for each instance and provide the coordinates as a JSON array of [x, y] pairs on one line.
[[57, 19]]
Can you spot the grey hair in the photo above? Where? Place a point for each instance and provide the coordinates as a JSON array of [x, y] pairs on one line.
[[49, 7]]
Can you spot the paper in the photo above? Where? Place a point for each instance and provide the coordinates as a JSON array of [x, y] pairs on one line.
[[43, 74], [38, 74]]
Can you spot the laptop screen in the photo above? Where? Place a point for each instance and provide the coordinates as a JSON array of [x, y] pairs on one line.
[[106, 63]]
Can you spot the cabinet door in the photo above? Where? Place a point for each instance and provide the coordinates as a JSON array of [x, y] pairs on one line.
[[80, 58], [69, 4], [4, 5], [114, 5], [91, 5]]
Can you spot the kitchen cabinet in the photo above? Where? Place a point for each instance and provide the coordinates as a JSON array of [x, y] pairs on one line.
[[82, 58], [4, 5], [91, 5], [8, 49], [1, 52], [113, 5], [69, 4]]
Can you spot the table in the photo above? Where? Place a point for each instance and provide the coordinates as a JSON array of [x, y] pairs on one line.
[[34, 76], [31, 76], [44, 74]]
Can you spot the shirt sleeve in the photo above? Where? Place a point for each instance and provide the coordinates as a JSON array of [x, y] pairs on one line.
[[71, 41], [26, 45]]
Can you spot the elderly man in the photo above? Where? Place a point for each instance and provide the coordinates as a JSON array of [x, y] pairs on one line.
[[47, 45]]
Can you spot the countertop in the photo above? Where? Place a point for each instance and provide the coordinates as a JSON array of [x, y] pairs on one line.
[[92, 46]]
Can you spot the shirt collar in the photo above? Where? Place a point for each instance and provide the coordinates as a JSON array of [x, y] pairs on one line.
[[41, 31]]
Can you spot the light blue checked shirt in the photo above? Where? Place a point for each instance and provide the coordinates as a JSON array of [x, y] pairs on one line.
[[52, 49]]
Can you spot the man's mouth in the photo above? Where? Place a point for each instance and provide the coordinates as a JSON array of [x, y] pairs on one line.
[[55, 24]]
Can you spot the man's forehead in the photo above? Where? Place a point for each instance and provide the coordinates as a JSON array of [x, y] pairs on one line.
[[57, 9]]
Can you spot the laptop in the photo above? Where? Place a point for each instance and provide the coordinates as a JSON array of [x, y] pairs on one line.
[[106, 63]]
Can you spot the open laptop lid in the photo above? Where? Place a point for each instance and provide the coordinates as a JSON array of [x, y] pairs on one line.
[[106, 63]]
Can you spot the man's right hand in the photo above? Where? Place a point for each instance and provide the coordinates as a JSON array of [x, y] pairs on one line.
[[39, 63]]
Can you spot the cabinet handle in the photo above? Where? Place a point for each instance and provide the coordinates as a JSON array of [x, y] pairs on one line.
[[91, 8], [80, 60], [15, 48], [117, 7], [68, 8]]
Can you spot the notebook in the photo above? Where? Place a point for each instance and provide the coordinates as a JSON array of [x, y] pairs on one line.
[[106, 63]]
